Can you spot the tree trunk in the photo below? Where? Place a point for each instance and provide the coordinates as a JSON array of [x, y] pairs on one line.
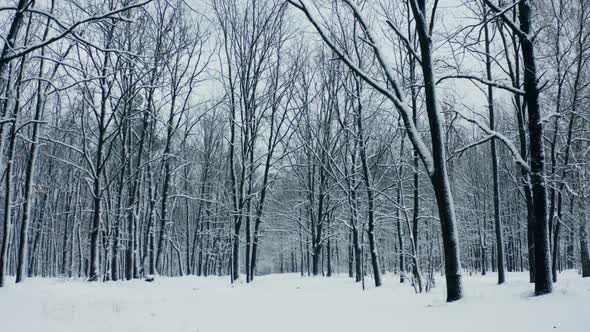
[[439, 177], [583, 230], [9, 192], [543, 283], [495, 177], [369, 191]]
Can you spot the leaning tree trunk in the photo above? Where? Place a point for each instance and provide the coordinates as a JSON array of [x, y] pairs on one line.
[[439, 177]]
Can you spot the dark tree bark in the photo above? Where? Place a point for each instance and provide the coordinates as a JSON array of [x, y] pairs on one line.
[[10, 39], [543, 282], [8, 182], [494, 157], [439, 177], [542, 260], [24, 231], [583, 236], [369, 191]]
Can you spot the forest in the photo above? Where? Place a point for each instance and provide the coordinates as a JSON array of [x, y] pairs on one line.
[[412, 142]]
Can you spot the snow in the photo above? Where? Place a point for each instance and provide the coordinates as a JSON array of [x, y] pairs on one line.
[[288, 302]]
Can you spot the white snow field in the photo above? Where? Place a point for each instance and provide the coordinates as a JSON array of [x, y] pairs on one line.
[[288, 302]]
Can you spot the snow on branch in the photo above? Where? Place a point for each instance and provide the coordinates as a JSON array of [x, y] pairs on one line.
[[501, 12], [495, 84], [397, 97], [69, 30], [405, 40], [474, 144], [492, 133]]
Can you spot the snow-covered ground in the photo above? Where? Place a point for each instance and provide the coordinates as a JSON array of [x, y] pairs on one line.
[[282, 303]]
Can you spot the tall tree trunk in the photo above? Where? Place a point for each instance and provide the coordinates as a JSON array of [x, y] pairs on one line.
[[439, 177], [24, 231], [400, 239], [369, 190], [9, 45], [494, 156], [583, 236], [543, 283], [9, 192]]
